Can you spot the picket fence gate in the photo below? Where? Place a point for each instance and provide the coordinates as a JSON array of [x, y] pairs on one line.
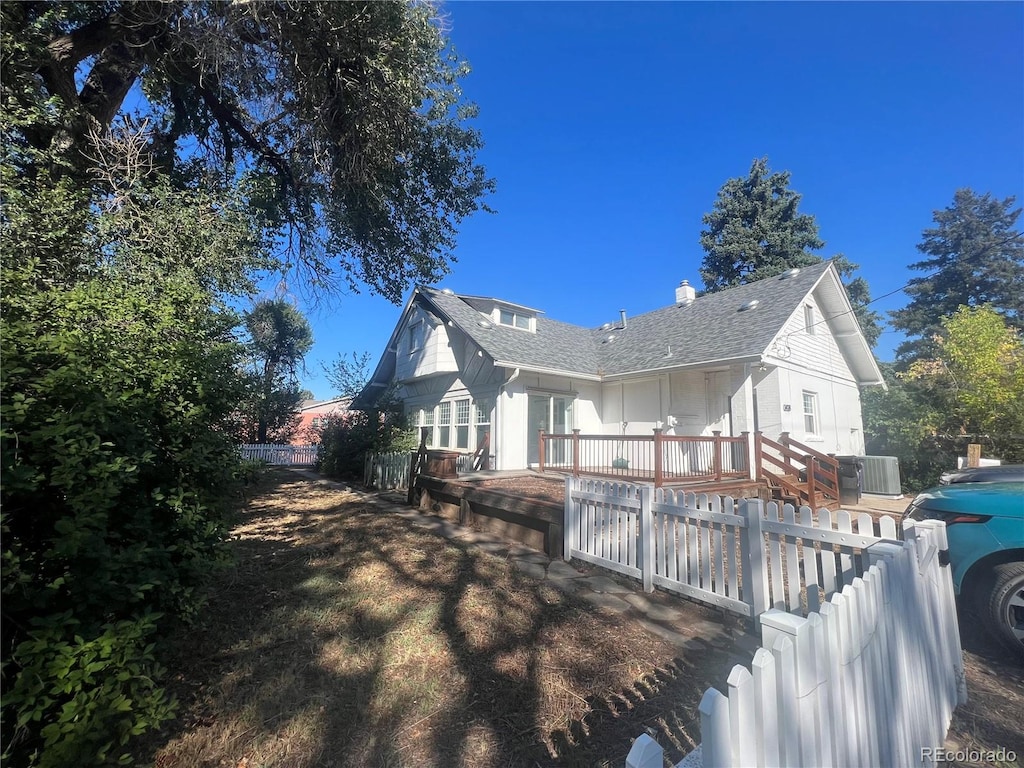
[[387, 471], [741, 556], [871, 678], [281, 455]]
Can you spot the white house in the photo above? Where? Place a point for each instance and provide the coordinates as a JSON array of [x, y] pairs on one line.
[[782, 355]]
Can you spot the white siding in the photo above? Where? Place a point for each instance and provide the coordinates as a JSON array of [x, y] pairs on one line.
[[512, 434], [839, 412], [818, 352], [688, 403], [641, 403], [434, 356]]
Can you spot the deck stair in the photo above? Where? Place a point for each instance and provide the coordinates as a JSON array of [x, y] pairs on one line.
[[796, 473]]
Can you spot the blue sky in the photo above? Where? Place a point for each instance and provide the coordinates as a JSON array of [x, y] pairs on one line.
[[610, 127]]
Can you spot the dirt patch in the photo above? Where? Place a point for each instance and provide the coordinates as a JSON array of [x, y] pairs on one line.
[[345, 636]]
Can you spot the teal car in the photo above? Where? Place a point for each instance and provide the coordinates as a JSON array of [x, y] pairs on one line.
[[985, 528]]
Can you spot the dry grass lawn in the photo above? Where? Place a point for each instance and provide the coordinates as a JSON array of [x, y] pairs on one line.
[[345, 636]]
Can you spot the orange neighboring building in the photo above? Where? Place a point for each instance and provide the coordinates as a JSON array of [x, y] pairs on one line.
[[314, 414]]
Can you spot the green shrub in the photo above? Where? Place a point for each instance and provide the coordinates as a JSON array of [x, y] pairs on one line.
[[345, 441], [119, 470], [87, 696]]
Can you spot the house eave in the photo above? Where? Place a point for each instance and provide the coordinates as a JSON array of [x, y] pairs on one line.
[[548, 371], [684, 366]]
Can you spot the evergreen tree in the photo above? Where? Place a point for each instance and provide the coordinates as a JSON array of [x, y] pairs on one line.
[[755, 231], [975, 256]]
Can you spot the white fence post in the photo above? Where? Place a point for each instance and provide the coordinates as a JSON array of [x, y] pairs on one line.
[[806, 681], [647, 538], [645, 753], [715, 731], [755, 581], [570, 520]]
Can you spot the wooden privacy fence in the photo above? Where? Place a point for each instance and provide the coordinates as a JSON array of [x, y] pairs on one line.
[[871, 678], [660, 458], [281, 455], [743, 556]]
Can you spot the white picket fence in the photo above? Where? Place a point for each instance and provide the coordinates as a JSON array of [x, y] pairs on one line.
[[869, 679], [741, 556], [281, 455], [387, 471], [390, 471]]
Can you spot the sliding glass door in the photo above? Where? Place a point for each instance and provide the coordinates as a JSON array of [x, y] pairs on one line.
[[553, 414]]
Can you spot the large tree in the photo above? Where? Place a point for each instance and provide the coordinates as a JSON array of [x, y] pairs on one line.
[[975, 384], [975, 256], [342, 121], [756, 231], [279, 338]]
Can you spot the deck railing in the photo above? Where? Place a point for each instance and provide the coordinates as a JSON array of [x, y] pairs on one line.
[[809, 476], [659, 458]]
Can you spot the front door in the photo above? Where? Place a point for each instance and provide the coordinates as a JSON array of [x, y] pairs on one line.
[[553, 414]]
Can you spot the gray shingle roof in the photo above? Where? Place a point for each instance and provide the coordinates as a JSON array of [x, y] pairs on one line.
[[555, 346], [709, 329]]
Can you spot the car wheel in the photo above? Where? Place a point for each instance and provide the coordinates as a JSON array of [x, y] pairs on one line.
[[1006, 605]]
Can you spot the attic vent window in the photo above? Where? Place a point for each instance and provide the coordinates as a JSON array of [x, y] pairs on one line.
[[752, 304], [484, 323]]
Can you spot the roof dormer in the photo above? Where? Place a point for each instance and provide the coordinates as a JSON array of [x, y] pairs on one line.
[[504, 313]]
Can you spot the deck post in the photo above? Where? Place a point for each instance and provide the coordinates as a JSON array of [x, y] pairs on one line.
[[758, 459], [540, 449], [717, 458], [575, 453], [658, 479], [811, 489], [748, 449], [784, 440]]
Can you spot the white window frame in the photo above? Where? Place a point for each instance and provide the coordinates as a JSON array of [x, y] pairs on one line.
[[417, 336], [481, 418], [444, 424], [463, 411], [812, 421], [425, 418], [809, 320], [514, 319]]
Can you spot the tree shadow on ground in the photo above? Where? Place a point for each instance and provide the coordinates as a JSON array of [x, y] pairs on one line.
[[347, 636]]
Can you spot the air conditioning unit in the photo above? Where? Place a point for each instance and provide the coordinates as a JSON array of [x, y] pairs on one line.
[[881, 476]]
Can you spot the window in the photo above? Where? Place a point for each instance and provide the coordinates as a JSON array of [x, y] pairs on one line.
[[426, 419], [811, 413], [482, 418], [415, 340], [809, 319], [462, 424], [514, 319], [444, 425]]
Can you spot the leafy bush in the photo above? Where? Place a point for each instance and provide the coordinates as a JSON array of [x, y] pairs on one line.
[[118, 468], [345, 441], [104, 686]]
